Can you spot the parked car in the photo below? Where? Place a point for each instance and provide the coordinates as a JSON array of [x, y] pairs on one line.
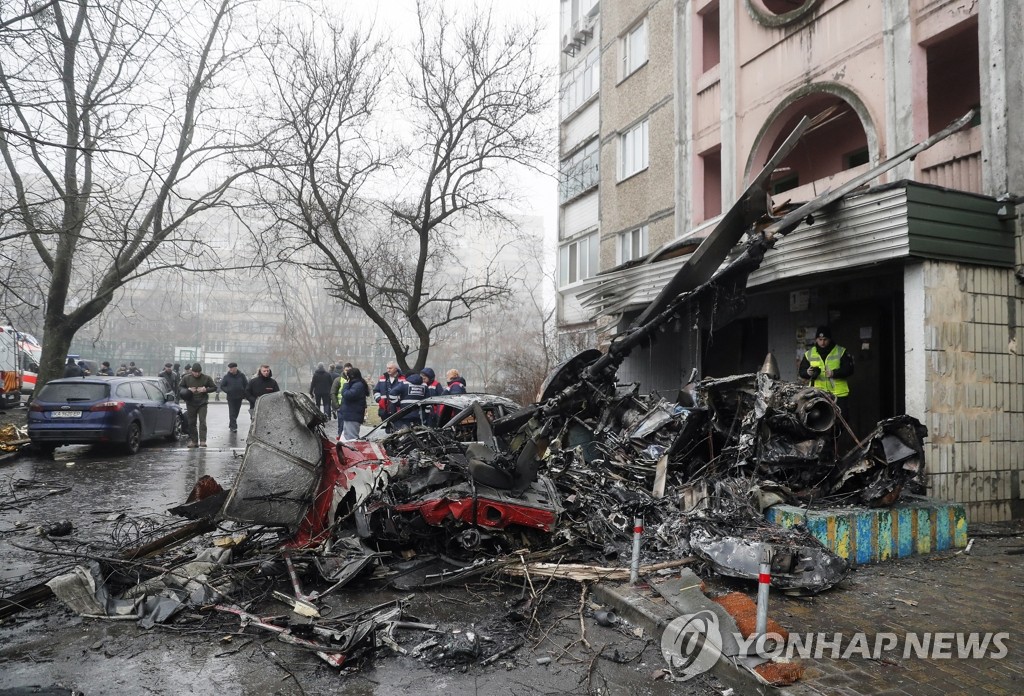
[[123, 411]]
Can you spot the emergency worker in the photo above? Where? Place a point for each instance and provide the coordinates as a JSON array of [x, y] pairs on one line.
[[456, 383], [405, 393], [382, 390], [826, 365]]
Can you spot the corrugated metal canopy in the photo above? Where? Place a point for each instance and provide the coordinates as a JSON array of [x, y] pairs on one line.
[[894, 221]]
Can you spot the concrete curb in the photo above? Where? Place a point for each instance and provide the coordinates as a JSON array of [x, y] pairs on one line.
[[642, 607]]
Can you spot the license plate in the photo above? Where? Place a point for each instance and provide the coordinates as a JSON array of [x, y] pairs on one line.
[[66, 414]]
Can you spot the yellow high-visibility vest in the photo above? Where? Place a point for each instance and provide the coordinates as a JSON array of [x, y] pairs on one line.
[[835, 385]]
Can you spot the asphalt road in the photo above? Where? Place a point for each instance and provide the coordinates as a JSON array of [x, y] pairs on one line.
[[110, 498]]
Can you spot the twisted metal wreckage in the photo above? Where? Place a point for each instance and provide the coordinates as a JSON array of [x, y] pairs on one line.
[[493, 488]]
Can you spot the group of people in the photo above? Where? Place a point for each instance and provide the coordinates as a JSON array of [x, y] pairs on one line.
[[80, 368], [395, 390], [341, 392], [195, 387]]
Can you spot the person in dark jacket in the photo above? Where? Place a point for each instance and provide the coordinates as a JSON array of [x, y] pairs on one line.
[[169, 379], [133, 370], [434, 387], [262, 383], [382, 391], [320, 389], [177, 380], [195, 390], [105, 370], [456, 384], [334, 370], [72, 369], [235, 385], [405, 393], [352, 411]]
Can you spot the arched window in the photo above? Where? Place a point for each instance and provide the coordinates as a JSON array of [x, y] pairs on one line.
[[779, 13], [835, 142]]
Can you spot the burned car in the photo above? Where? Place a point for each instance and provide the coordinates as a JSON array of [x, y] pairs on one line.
[[422, 482], [454, 412]]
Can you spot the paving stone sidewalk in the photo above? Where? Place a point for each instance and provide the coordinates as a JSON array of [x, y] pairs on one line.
[[945, 592]]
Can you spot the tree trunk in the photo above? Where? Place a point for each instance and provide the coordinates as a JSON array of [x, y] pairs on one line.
[[57, 333]]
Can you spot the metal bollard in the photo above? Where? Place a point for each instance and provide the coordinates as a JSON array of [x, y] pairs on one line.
[[764, 580], [634, 568]]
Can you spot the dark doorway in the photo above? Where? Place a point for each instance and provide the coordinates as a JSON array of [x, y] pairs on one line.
[[737, 348], [870, 332]]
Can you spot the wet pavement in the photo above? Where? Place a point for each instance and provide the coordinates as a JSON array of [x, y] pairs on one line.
[[205, 653], [945, 597]]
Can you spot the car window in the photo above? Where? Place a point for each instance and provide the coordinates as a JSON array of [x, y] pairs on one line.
[[139, 391], [154, 392], [124, 390], [77, 391]]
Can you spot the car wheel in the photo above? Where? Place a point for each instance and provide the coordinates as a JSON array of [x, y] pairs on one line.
[[134, 440], [175, 430]]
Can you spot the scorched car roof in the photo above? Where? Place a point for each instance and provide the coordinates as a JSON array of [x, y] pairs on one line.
[[461, 401]]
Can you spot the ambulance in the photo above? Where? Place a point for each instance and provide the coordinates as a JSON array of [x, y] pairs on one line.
[[10, 368]]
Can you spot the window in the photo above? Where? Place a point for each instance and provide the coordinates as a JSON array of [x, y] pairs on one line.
[[633, 150], [954, 82], [632, 244], [712, 165], [785, 183], [577, 9], [856, 158], [582, 83], [633, 48], [711, 38], [579, 173], [577, 261]]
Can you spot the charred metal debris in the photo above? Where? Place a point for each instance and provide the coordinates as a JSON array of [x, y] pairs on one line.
[[482, 489]]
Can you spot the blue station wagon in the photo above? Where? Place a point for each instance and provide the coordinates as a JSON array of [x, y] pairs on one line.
[[122, 411]]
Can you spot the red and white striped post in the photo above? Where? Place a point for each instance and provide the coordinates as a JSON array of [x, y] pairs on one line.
[[634, 568], [764, 580]]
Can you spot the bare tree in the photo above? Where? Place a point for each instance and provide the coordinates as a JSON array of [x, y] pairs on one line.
[[522, 365], [121, 122], [384, 219]]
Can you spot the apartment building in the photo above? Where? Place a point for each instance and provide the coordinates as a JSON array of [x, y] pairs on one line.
[[920, 275]]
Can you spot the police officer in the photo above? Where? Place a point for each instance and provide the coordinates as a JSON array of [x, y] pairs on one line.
[[826, 366]]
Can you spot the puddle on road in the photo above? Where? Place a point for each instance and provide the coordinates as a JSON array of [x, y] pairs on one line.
[[103, 482]]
